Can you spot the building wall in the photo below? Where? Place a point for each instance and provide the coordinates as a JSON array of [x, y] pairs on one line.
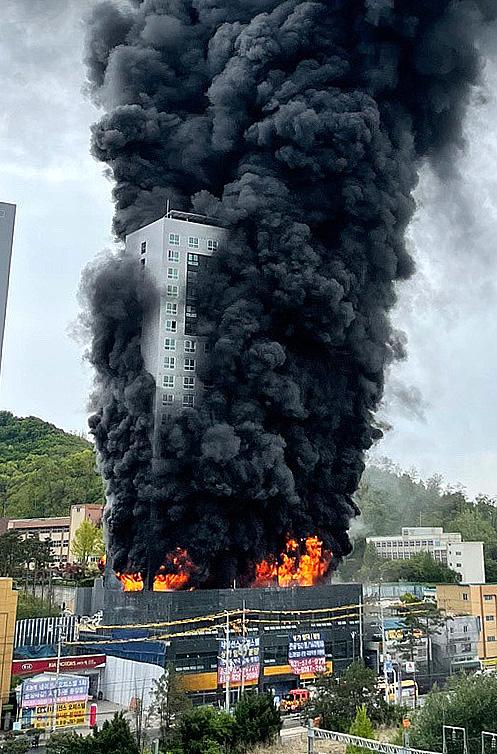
[[8, 610], [481, 602], [7, 219], [54, 530], [455, 644], [173, 250], [466, 558], [80, 513]]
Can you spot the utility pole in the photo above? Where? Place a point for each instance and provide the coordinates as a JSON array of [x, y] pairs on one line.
[[244, 645], [361, 637], [60, 640], [228, 663]]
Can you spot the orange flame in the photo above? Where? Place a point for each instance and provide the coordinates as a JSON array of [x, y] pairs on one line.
[[175, 574], [302, 564], [166, 581]]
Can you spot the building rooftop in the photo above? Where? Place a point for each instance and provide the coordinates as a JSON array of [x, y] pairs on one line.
[[38, 523]]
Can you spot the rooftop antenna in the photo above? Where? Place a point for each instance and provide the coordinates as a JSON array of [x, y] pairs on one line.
[[167, 208]]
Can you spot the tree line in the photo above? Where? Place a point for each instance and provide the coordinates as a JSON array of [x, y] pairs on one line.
[[390, 498]]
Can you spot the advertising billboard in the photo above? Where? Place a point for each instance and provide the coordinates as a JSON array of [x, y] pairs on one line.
[[306, 653], [243, 660]]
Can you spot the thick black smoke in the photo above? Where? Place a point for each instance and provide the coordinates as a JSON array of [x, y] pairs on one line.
[[301, 127]]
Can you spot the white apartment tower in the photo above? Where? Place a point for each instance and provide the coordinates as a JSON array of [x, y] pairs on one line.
[[174, 249]]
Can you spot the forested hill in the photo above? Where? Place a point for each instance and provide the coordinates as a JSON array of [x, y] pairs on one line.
[[29, 436], [390, 498], [44, 470]]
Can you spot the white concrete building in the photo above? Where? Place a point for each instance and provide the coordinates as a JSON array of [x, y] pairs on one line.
[[7, 219], [465, 558], [174, 249]]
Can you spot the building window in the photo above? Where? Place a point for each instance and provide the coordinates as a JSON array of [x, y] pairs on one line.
[[167, 399], [172, 273], [170, 344], [169, 362], [489, 617], [171, 308], [174, 239], [189, 383], [171, 325], [193, 243], [189, 346], [172, 290], [191, 311], [490, 638], [465, 629], [193, 259], [458, 565], [465, 596], [189, 365], [188, 401], [173, 255], [143, 262], [143, 247], [488, 597], [168, 380], [212, 245]]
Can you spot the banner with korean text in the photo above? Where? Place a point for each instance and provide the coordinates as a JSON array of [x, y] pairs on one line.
[[306, 653], [243, 660]]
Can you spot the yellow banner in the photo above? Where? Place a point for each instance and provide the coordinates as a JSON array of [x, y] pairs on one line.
[[68, 713]]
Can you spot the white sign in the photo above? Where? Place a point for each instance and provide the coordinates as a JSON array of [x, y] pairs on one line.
[[410, 667]]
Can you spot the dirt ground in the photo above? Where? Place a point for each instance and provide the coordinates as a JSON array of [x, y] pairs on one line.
[[299, 745]]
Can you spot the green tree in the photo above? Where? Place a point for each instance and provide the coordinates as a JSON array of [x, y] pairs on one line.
[[423, 568], [29, 606], [169, 704], [15, 745], [474, 527], [469, 702], [114, 737], [88, 542], [338, 699], [64, 742], [361, 726], [257, 721], [205, 729]]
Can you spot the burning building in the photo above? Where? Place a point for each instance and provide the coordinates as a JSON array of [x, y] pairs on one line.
[[300, 127], [174, 250]]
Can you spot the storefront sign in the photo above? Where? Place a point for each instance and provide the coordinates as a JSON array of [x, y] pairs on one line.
[[67, 664], [243, 660], [306, 653]]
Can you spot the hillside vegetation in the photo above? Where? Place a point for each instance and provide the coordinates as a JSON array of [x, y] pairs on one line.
[[390, 498], [44, 470]]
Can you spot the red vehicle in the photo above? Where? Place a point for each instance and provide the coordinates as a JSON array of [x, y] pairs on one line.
[[295, 700]]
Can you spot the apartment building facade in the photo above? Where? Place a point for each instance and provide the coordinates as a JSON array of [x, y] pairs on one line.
[[465, 558], [174, 250], [58, 530], [479, 601], [7, 219]]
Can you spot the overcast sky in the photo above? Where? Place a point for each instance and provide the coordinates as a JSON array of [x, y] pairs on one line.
[[441, 402]]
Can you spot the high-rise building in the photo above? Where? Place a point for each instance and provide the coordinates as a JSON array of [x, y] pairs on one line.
[[8, 610], [7, 218], [465, 558], [174, 249]]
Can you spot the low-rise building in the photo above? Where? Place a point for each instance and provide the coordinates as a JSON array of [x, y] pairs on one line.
[[465, 558], [455, 645], [8, 610], [58, 530], [479, 601]]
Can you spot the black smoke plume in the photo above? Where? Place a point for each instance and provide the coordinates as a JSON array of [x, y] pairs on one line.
[[301, 127]]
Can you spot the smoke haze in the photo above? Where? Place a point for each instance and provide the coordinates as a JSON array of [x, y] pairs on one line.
[[301, 126]]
